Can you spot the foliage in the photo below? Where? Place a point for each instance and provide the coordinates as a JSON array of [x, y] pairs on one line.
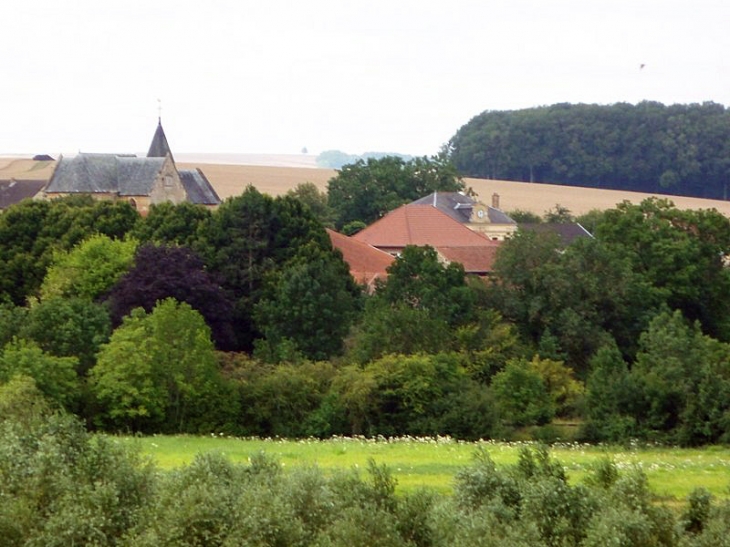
[[68, 327], [22, 402], [679, 254], [416, 308], [12, 318], [647, 147], [676, 390], [366, 190], [577, 300], [159, 371], [522, 394], [31, 231], [311, 302], [524, 217], [62, 486], [167, 271], [311, 196], [248, 237], [55, 376], [171, 224], [278, 400], [88, 270]]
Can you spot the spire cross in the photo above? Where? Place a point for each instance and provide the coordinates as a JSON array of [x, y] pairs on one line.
[[159, 110]]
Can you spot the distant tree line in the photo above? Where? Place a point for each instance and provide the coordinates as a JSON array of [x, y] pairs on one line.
[[336, 159], [648, 147]]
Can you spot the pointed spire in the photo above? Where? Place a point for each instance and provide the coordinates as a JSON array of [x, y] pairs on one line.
[[159, 147]]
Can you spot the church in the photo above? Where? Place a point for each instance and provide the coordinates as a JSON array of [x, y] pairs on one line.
[[141, 181]]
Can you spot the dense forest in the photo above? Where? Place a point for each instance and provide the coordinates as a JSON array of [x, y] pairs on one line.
[[245, 320], [648, 147]]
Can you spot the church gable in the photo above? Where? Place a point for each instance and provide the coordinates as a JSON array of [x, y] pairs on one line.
[[167, 186], [142, 181]]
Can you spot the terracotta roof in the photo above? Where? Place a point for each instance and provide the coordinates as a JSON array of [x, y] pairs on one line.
[[475, 260], [414, 224], [14, 191], [365, 261]]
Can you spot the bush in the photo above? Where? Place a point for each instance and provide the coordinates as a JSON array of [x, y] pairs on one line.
[[522, 395]]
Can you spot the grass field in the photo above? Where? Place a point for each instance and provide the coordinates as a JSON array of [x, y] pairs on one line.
[[433, 463]]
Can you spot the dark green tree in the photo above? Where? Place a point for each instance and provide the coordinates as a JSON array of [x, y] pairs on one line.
[[31, 231], [417, 309], [679, 253], [649, 147], [366, 190], [68, 327], [248, 237], [311, 301], [570, 302], [171, 224]]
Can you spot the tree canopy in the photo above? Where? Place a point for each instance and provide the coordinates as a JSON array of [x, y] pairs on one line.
[[366, 190], [648, 147]]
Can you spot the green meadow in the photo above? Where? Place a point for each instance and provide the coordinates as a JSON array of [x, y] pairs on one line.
[[433, 462]]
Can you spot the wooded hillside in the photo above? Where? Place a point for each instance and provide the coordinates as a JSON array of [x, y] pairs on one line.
[[648, 147]]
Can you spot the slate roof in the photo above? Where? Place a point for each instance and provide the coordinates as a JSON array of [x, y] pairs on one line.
[[365, 261], [13, 191], [105, 173], [159, 148], [567, 232], [458, 206], [415, 224], [198, 187]]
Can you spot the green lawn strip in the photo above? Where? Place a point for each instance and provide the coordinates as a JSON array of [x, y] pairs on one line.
[[672, 472]]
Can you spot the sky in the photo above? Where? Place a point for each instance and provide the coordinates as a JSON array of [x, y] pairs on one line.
[[278, 76]]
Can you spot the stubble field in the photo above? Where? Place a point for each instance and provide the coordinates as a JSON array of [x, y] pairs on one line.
[[231, 180]]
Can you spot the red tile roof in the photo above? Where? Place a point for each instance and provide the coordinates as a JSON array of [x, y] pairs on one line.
[[415, 224], [365, 261], [475, 260]]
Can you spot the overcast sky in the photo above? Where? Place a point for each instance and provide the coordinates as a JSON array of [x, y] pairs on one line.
[[274, 76]]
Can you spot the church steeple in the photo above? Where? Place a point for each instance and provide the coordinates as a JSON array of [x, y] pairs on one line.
[[159, 147]]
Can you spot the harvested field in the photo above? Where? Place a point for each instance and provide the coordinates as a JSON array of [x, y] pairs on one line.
[[25, 169], [231, 180]]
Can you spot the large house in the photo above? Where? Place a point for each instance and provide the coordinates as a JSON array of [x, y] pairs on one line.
[[489, 220], [367, 264], [425, 224], [142, 182]]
